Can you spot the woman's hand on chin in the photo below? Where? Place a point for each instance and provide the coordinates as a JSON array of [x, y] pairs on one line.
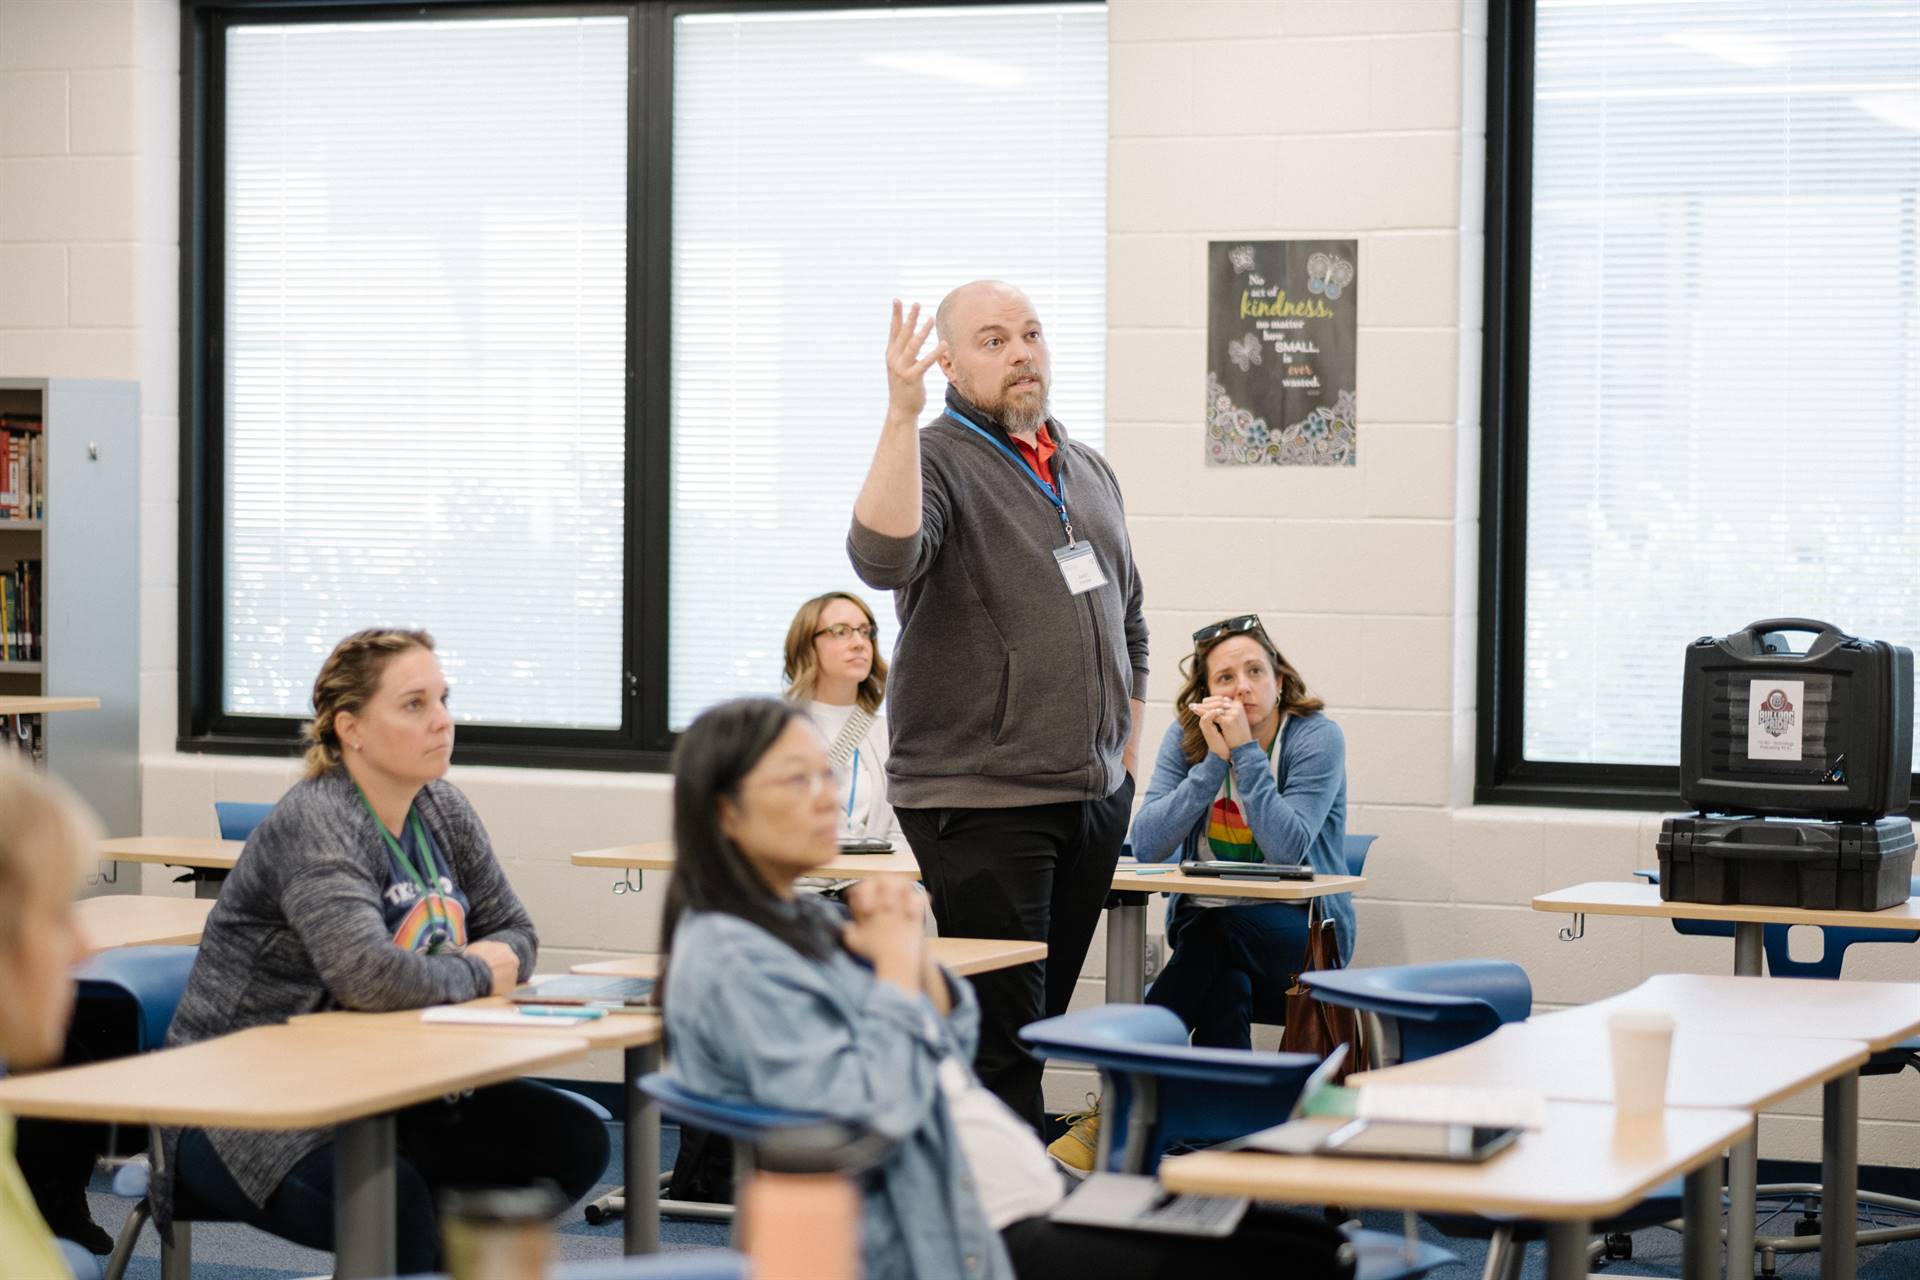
[[888, 927]]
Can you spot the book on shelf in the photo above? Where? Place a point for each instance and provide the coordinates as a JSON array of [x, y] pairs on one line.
[[23, 468], [20, 612]]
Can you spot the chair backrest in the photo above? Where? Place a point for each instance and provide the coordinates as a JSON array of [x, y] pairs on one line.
[[1158, 1090], [1433, 1007], [153, 978], [238, 818], [741, 1121], [1356, 850]]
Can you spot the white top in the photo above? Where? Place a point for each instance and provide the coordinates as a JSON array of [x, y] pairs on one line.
[[1013, 1175], [863, 800]]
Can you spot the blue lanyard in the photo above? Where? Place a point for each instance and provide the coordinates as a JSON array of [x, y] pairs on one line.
[[1056, 497], [853, 781]]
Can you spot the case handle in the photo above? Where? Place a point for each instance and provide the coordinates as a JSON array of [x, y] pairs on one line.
[[1827, 636]]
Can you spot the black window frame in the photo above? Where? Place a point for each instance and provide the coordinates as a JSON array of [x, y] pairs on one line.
[[1502, 773], [644, 742]]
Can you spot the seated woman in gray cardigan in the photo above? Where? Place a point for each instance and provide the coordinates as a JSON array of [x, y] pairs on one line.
[[778, 999], [371, 885]]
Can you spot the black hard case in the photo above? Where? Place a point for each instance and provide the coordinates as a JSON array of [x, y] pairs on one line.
[[1777, 862], [1857, 731]]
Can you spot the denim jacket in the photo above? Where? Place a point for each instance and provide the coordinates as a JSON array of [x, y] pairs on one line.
[[1301, 818], [750, 1020]]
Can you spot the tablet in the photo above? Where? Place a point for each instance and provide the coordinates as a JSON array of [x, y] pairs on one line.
[[866, 844], [1397, 1140]]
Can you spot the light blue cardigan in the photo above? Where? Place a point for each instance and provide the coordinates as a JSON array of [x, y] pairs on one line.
[[1302, 819], [751, 1020]]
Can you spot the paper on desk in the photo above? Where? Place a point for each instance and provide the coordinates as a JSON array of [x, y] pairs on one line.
[[494, 1018], [1451, 1104]]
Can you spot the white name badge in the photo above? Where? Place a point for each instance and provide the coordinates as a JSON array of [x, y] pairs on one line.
[[1080, 567]]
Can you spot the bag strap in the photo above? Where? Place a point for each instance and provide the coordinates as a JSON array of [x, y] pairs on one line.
[[850, 736]]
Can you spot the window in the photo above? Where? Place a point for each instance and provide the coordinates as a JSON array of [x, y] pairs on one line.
[[1709, 311], [557, 329], [825, 163]]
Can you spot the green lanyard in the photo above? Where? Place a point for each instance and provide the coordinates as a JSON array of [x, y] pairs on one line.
[[436, 916]]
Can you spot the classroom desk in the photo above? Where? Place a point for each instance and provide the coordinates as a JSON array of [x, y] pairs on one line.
[[965, 956], [657, 855], [197, 853], [1878, 1014], [636, 1035], [1637, 898], [1570, 1059], [135, 920], [1127, 913], [297, 1077], [35, 705], [1585, 1164]]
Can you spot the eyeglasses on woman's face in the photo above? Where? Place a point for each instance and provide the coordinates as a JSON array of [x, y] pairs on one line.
[[842, 632], [805, 782], [1230, 626]]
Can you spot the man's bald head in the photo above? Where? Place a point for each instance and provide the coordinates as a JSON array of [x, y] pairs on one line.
[[962, 301], [994, 353]]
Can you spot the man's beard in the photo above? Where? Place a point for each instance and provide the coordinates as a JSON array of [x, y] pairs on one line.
[[1025, 413]]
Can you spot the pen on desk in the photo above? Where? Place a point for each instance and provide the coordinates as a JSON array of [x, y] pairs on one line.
[[562, 1011]]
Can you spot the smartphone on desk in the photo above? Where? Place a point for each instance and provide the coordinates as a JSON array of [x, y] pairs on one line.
[[1245, 870], [865, 844], [1398, 1140]]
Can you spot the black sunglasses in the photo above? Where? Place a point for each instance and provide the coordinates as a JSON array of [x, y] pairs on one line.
[[1231, 626]]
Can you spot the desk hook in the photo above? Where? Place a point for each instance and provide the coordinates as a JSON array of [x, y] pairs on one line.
[[629, 881], [1577, 930]]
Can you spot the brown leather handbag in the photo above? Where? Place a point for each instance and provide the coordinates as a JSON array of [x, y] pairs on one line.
[[1313, 1027]]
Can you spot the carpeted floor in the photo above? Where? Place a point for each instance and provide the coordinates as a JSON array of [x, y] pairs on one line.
[[227, 1252]]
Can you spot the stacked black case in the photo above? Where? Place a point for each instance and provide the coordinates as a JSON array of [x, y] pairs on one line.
[[1801, 766]]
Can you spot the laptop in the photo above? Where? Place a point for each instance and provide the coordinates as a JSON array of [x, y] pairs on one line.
[[1137, 1202], [586, 989]]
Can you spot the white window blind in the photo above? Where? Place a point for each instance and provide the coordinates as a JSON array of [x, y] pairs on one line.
[[824, 163], [1724, 374], [426, 227]]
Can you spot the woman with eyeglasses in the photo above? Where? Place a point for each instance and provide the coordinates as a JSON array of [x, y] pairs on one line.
[[1252, 770], [835, 671], [777, 999]]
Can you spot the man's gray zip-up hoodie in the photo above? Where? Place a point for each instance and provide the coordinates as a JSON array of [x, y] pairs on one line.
[[1006, 688]]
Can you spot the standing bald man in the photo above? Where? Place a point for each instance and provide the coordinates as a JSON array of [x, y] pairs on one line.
[[1015, 697]]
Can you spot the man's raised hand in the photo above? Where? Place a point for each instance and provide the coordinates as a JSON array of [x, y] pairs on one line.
[[906, 367]]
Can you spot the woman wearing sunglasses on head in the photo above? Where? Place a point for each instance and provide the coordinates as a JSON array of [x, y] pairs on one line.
[[1252, 770], [834, 670], [777, 999]]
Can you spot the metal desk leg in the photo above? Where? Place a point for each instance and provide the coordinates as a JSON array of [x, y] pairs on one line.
[[641, 1221], [1746, 948], [1839, 1175], [1567, 1249], [1126, 947], [363, 1200], [1700, 1238], [1743, 1180]]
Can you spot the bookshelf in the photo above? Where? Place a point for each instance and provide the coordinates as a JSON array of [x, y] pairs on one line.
[[70, 585]]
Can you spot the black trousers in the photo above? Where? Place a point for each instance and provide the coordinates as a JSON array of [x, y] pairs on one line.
[[1269, 1243], [1040, 873]]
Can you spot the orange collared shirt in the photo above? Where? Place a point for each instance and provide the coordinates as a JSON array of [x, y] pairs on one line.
[[1039, 458]]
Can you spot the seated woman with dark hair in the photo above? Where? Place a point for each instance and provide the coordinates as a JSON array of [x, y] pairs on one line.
[[775, 998], [371, 885]]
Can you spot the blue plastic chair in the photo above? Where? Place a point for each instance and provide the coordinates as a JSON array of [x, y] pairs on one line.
[[1435, 1008], [238, 818], [1162, 1091], [1356, 850], [745, 1123]]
